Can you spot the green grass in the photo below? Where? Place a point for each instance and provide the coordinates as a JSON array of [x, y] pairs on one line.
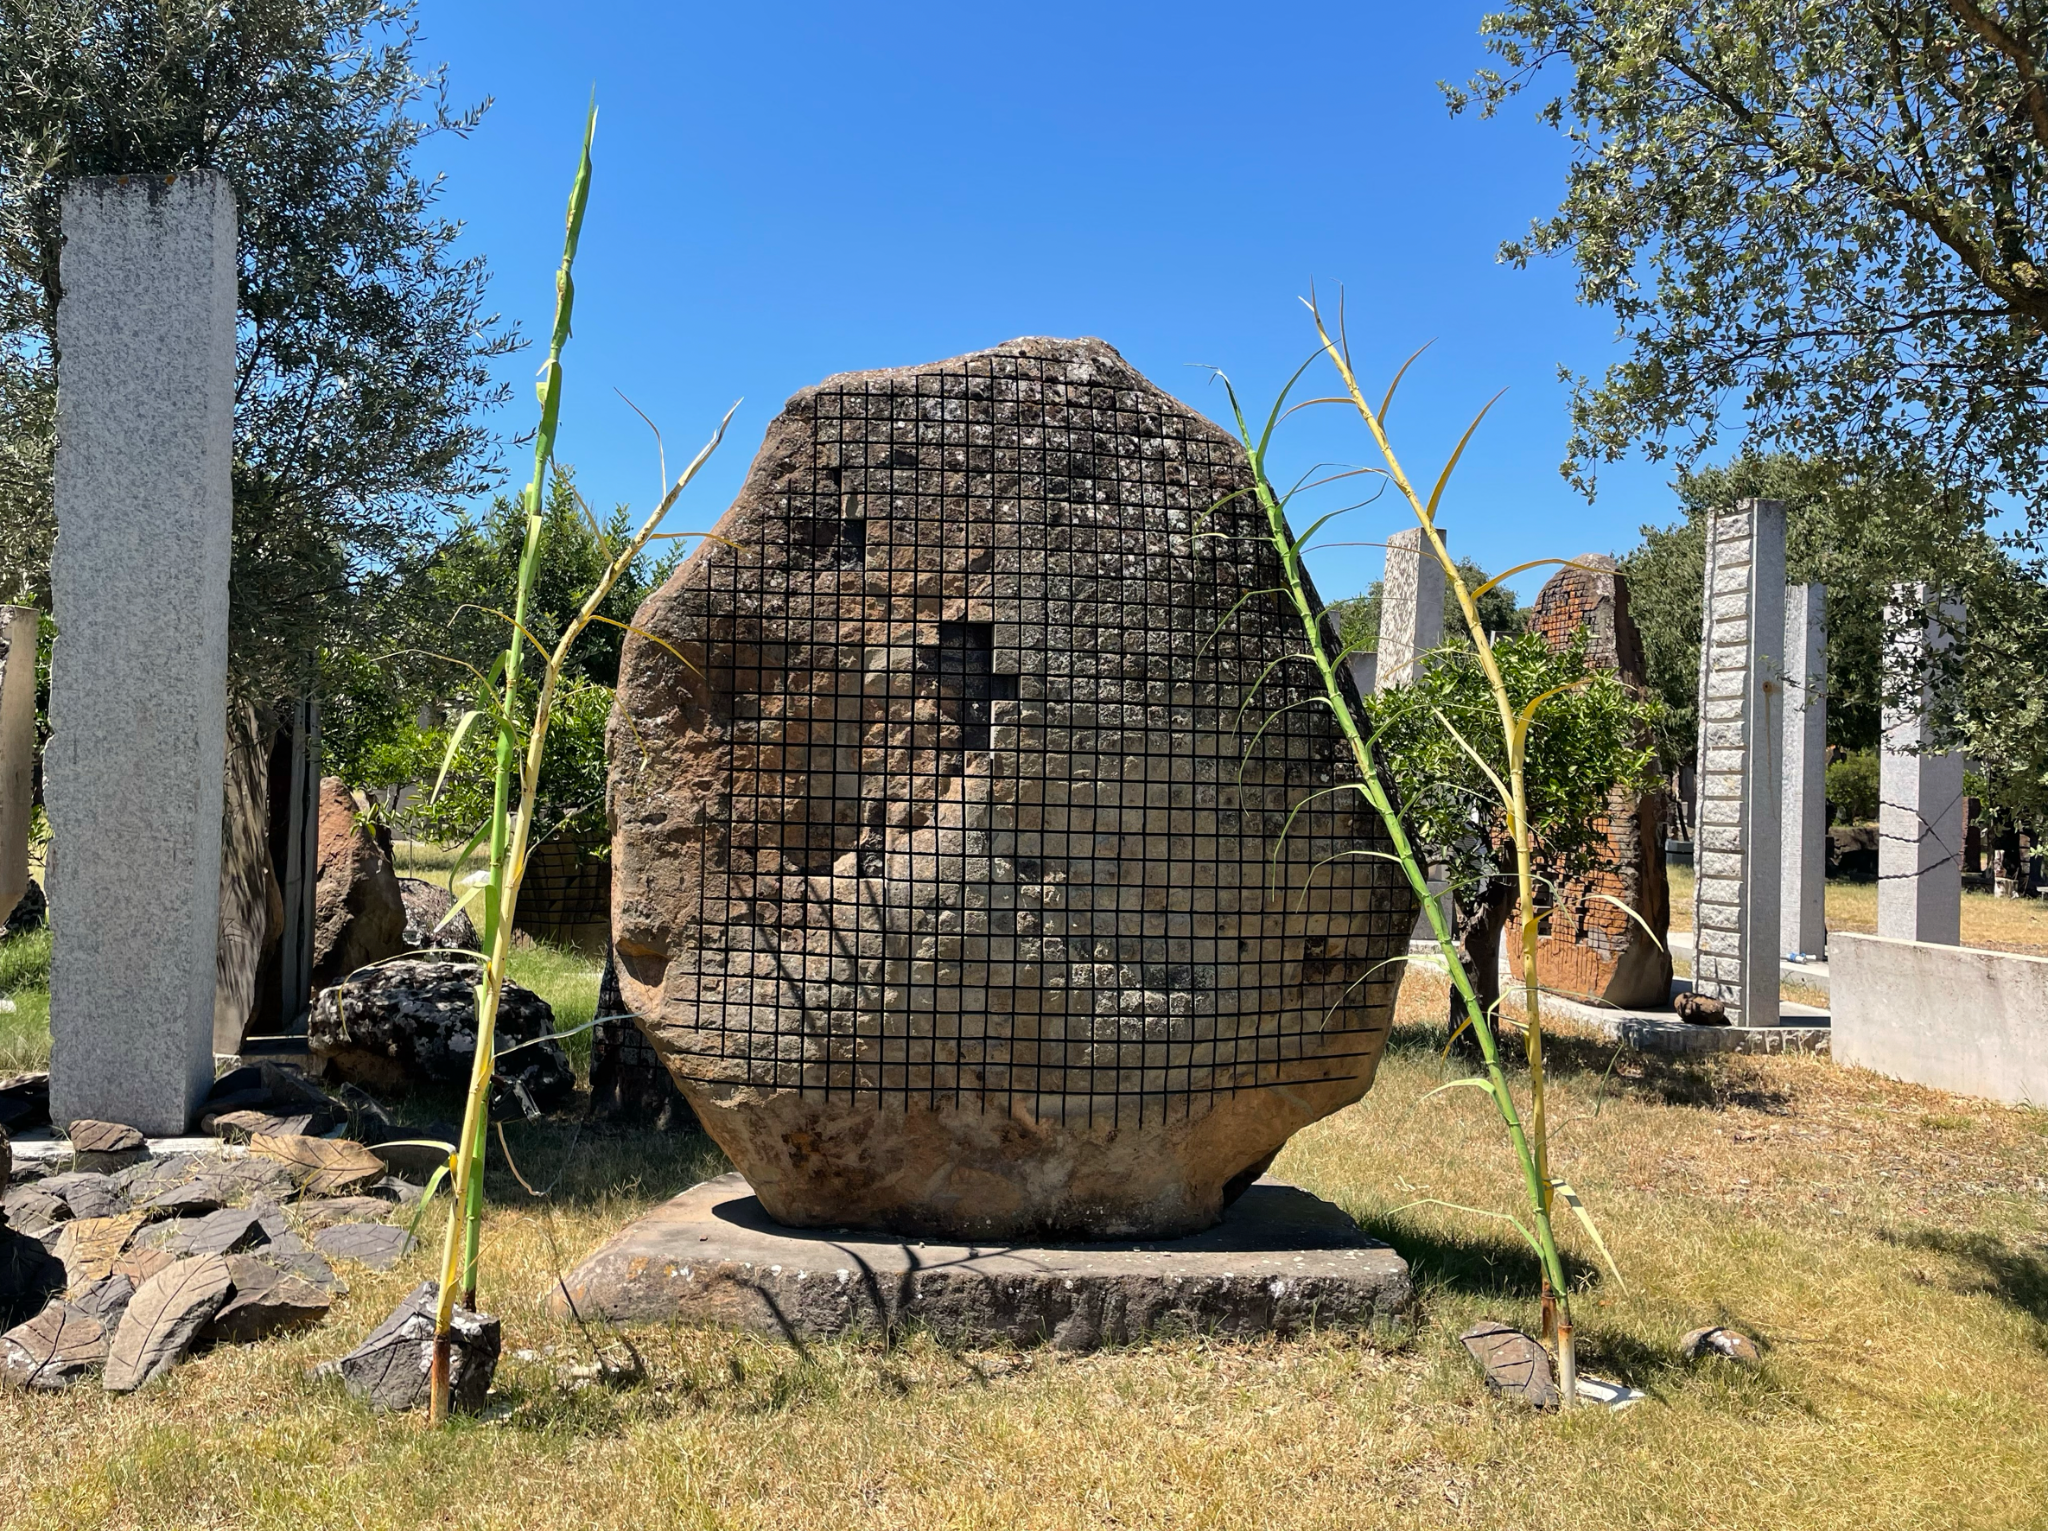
[[567, 980], [25, 979], [1897, 1274]]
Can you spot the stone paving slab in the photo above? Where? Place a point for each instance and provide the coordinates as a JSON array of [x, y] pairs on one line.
[[1280, 1261]]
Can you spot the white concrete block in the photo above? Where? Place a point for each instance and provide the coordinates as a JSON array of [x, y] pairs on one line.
[[1954, 1017]]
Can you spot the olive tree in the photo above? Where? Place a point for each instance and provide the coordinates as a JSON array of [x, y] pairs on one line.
[[364, 344], [1829, 222]]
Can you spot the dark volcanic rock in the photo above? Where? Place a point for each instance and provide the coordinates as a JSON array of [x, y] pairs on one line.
[[414, 1022], [377, 1245], [265, 1301], [24, 1102], [1700, 1009], [389, 1370], [86, 1194], [426, 906], [105, 1299], [945, 878], [105, 1146], [29, 1276]]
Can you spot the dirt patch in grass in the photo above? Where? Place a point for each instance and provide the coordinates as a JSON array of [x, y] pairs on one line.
[[1887, 1244]]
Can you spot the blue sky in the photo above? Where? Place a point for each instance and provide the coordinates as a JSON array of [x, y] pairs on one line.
[[791, 190]]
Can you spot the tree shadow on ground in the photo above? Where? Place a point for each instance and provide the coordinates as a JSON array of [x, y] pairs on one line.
[[2016, 1277], [1621, 1072]]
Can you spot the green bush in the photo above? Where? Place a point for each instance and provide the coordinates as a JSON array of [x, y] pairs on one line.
[[1852, 787]]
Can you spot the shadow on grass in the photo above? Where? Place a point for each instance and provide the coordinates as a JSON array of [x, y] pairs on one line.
[[2016, 1277], [1479, 1264], [1570, 1057]]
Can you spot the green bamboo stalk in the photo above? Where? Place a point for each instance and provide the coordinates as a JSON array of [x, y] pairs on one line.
[[1527, 1140], [465, 1210]]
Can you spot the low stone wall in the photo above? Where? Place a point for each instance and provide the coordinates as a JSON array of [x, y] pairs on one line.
[[1955, 1017]]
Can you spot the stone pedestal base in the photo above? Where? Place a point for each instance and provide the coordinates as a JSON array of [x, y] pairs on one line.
[[1280, 1261]]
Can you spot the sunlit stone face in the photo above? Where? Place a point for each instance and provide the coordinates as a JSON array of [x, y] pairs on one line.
[[949, 864]]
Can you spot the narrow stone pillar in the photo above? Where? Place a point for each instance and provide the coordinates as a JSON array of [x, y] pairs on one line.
[[17, 748], [1411, 608], [1803, 915], [138, 704], [1737, 852], [1920, 791]]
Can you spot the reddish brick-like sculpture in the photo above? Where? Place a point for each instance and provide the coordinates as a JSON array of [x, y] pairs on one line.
[[1587, 948], [950, 875]]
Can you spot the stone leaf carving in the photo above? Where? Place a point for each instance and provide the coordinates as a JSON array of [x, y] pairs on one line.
[[265, 1301], [1515, 1365], [948, 869], [323, 1166], [54, 1349], [164, 1317], [89, 1246]]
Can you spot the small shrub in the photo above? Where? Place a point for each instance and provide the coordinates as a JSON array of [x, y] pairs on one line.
[[1852, 787]]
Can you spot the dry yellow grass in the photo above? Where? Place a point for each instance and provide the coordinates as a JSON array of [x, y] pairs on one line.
[[2000, 924], [1887, 1243]]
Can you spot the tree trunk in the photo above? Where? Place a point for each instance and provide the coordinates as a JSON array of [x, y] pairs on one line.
[[1476, 924]]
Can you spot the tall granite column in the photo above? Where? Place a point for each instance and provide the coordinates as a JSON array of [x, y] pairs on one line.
[[1738, 854], [138, 703], [1411, 608], [1803, 916], [1920, 790]]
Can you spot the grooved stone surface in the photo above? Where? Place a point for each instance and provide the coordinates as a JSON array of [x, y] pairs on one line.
[[954, 877], [1281, 1260], [138, 682]]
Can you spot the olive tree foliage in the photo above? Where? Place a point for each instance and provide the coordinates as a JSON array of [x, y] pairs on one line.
[[1440, 742], [364, 344], [1831, 215], [386, 737]]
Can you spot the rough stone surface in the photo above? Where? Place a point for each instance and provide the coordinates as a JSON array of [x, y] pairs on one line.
[[1588, 948], [1280, 1260], [1411, 608], [1515, 1365], [1802, 916], [84, 1193], [1700, 1010], [322, 1166], [934, 876], [105, 1299], [105, 1145], [17, 749], [1739, 855], [426, 906], [264, 1301], [163, 1319], [227, 1231], [132, 771], [59, 1346], [358, 910], [414, 1022], [377, 1245], [389, 1370]]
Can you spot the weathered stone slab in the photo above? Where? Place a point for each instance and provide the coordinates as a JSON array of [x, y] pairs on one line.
[[265, 1301], [1281, 1260], [389, 1370], [138, 685], [17, 748], [948, 868], [377, 1245], [56, 1348], [163, 1319]]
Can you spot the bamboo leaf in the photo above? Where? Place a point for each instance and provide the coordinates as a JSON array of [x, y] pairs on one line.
[[454, 744], [1444, 478], [1571, 1199], [1469, 1082]]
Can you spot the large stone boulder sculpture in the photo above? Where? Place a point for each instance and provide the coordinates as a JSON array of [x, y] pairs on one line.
[[948, 810]]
